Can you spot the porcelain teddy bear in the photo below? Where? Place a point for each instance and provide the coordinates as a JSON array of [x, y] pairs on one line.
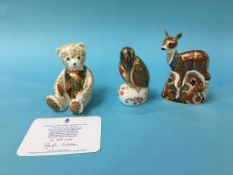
[[74, 85]]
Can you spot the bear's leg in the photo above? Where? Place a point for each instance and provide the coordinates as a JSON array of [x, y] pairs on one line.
[[78, 104], [76, 107], [57, 103], [82, 99]]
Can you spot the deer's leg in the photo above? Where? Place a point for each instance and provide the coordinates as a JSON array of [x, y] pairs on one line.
[[204, 70], [169, 94], [170, 90], [206, 75], [181, 78], [193, 88]]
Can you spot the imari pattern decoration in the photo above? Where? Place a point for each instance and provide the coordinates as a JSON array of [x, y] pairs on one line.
[[73, 86], [136, 76], [189, 77]]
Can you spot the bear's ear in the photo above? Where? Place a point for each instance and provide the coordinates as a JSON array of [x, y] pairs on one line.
[[58, 50], [81, 45]]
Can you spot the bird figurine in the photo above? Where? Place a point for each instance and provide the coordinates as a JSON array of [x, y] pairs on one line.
[[136, 76]]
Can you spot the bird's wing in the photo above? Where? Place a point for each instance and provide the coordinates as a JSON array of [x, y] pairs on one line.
[[140, 75], [122, 72]]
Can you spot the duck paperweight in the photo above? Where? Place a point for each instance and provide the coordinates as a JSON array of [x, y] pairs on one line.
[[73, 87], [136, 76], [189, 77]]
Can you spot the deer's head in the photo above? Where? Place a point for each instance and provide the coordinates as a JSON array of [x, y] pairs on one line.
[[170, 43]]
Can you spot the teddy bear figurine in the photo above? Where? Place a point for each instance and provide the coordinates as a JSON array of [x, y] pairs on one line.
[[74, 85], [136, 76]]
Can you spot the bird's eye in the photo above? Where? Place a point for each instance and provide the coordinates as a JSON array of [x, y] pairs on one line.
[[68, 59]]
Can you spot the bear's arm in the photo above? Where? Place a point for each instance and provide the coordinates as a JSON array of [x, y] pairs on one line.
[[88, 84], [59, 85]]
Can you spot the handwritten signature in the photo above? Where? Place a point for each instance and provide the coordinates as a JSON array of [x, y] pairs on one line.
[[69, 144], [49, 145], [52, 146]]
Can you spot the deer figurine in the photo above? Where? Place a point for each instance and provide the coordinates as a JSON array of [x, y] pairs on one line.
[[189, 77]]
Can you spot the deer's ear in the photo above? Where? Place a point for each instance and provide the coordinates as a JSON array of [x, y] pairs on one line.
[[166, 33], [178, 36]]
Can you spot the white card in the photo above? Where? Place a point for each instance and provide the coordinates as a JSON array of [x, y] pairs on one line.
[[56, 136]]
